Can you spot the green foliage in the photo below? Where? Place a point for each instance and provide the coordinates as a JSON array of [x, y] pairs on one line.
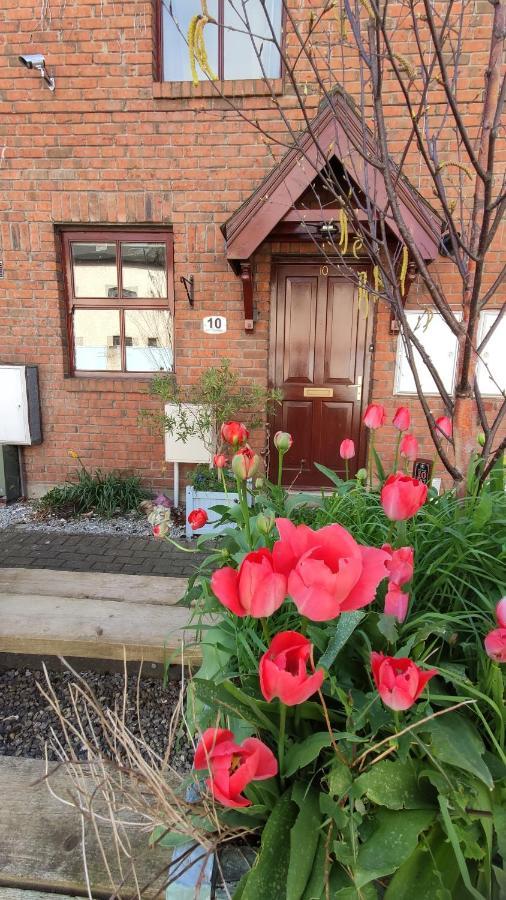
[[219, 397], [204, 478], [105, 493]]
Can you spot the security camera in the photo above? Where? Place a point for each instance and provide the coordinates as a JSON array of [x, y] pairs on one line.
[[37, 61]]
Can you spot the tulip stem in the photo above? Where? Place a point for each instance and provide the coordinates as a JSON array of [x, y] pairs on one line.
[[265, 629], [243, 501], [371, 448], [402, 533], [280, 467], [347, 469], [179, 547], [396, 460], [281, 740], [222, 472]]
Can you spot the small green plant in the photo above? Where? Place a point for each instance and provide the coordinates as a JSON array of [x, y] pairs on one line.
[[105, 493], [202, 478], [218, 396]]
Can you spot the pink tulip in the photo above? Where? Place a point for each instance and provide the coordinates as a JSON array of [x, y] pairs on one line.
[[408, 447], [402, 496], [402, 418], [283, 441], [444, 424], [374, 415], [327, 571], [347, 449], [233, 766], [500, 612], [400, 566], [396, 603], [254, 589], [234, 433], [220, 460], [495, 644], [245, 463], [399, 681], [283, 670]]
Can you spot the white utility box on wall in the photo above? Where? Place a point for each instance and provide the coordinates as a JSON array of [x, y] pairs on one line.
[[20, 423], [193, 450]]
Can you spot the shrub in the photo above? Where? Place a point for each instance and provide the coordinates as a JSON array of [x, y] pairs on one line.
[[105, 493]]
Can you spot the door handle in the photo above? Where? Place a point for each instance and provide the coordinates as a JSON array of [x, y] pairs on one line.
[[358, 386]]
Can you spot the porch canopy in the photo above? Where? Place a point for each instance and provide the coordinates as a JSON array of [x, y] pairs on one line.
[[273, 209]]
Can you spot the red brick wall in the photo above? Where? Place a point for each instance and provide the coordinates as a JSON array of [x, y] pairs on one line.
[[107, 148]]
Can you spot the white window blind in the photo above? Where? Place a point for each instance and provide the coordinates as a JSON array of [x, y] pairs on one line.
[[440, 344]]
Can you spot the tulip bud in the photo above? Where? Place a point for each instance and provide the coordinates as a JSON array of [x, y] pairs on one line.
[[481, 439], [361, 475], [245, 463], [265, 524], [259, 482], [283, 441]]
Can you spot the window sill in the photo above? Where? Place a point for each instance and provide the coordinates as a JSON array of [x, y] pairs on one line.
[[121, 381], [247, 87]]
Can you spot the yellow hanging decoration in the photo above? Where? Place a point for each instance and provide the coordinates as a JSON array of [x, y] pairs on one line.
[[404, 270], [378, 281], [357, 245], [343, 225], [367, 7], [196, 45], [456, 165], [363, 293]]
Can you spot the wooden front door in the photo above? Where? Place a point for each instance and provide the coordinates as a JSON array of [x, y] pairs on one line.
[[320, 361]]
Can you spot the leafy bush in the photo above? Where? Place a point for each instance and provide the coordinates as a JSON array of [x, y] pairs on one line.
[[370, 800], [203, 478], [106, 494]]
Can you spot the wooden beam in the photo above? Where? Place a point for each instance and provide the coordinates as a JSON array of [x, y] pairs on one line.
[[247, 294], [152, 589]]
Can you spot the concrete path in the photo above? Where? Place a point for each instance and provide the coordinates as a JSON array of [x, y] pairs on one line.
[[94, 553]]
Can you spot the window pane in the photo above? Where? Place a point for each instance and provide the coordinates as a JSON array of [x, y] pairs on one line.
[[176, 60], [144, 270], [97, 340], [441, 345], [149, 340], [240, 58], [94, 268], [493, 355]]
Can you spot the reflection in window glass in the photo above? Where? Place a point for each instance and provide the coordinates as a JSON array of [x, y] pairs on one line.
[[144, 270], [96, 340], [94, 268], [176, 60], [241, 60], [151, 334]]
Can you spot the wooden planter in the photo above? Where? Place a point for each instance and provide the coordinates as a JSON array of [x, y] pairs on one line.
[[206, 500]]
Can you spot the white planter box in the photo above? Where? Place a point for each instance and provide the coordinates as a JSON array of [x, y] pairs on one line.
[[205, 500]]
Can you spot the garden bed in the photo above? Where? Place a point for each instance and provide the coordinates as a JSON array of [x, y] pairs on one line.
[[25, 516]]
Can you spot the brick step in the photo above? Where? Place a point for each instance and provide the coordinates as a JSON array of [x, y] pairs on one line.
[[94, 615]]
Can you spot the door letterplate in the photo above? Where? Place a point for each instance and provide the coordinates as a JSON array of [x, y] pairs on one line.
[[318, 392]]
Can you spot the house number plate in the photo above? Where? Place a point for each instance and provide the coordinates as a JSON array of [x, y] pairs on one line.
[[214, 324], [318, 392]]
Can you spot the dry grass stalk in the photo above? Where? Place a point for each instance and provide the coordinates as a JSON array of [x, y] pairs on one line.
[[127, 788]]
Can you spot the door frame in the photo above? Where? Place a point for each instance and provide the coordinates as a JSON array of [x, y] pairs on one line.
[[295, 259]]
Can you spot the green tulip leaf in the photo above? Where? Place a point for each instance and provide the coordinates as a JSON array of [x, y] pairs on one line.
[[300, 755], [304, 834], [455, 742], [232, 702], [391, 843], [316, 885], [268, 877], [346, 624], [394, 785], [424, 876]]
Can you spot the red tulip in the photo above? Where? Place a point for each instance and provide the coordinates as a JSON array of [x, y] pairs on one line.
[[374, 416], [254, 589], [402, 418], [400, 565], [495, 644], [399, 681], [233, 766], [444, 424], [161, 529], [245, 463], [283, 441], [283, 670], [347, 449], [402, 496], [197, 518], [328, 572], [396, 603], [220, 460], [408, 447], [500, 612], [234, 433]]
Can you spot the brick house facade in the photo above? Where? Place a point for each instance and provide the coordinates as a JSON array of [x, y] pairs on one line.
[[114, 146]]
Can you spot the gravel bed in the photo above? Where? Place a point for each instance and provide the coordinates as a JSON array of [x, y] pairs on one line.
[[23, 517], [26, 720]]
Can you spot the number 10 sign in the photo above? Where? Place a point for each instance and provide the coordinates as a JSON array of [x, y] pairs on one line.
[[214, 324]]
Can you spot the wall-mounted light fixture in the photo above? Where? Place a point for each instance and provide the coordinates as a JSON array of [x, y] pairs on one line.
[[37, 61]]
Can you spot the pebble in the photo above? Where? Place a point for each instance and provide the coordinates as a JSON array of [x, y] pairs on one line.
[[23, 517], [26, 719]]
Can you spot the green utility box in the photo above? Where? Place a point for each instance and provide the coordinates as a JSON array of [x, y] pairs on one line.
[[10, 476]]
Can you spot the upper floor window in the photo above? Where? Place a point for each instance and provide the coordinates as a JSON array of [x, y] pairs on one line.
[[120, 300], [239, 46]]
